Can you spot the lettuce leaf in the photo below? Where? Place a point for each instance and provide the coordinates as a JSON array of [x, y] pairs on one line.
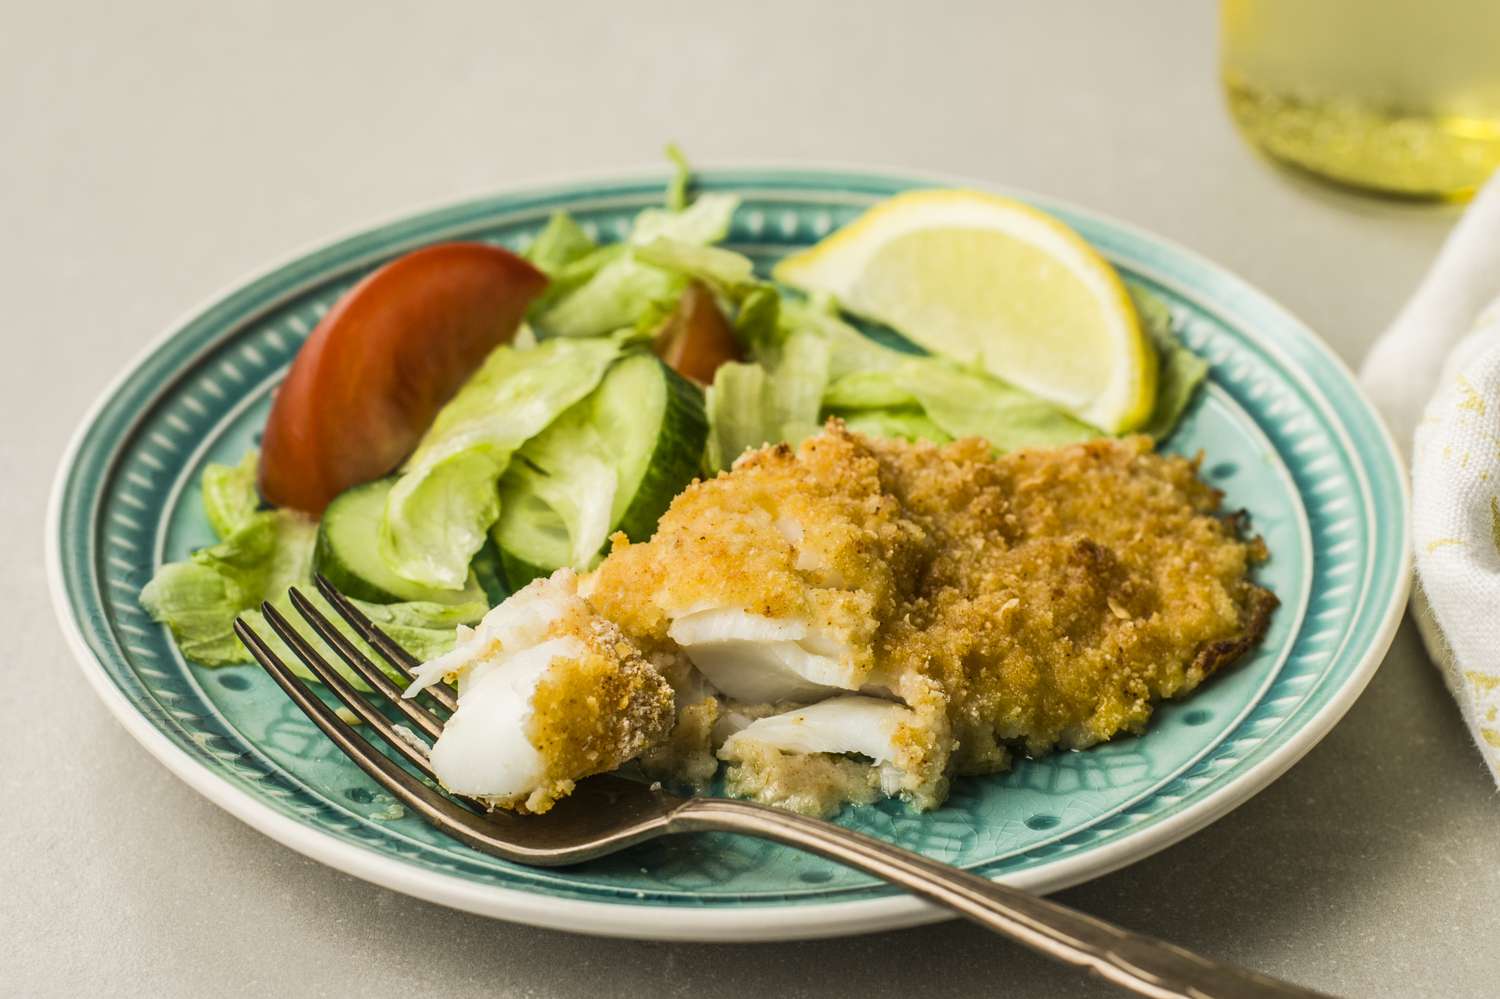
[[613, 297], [682, 176], [959, 402], [259, 555], [567, 470], [906, 424], [561, 243], [849, 350], [874, 386], [199, 606], [635, 284], [967, 403], [757, 322], [723, 270], [739, 414], [705, 221], [797, 385], [571, 276], [229, 496], [750, 405], [441, 508], [860, 390], [1181, 372]]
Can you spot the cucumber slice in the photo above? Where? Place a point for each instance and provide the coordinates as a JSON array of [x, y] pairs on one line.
[[518, 573], [489, 571], [612, 462], [531, 537], [348, 553], [657, 475]]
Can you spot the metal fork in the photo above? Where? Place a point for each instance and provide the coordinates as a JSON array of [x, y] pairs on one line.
[[608, 813]]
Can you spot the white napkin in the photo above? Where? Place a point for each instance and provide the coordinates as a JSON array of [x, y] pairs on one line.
[[1435, 375]]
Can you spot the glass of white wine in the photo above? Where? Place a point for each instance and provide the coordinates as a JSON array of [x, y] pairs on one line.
[[1396, 96]]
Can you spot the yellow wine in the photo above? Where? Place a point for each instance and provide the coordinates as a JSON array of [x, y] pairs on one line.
[[1398, 96]]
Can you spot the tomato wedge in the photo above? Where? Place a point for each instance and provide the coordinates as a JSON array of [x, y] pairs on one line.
[[369, 380], [696, 337]]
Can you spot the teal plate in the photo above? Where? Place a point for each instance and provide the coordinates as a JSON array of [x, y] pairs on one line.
[[1287, 435]]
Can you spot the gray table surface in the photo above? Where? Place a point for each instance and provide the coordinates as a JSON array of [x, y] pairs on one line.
[[154, 153]]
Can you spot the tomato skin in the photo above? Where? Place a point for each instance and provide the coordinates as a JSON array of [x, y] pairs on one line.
[[370, 378], [696, 337]]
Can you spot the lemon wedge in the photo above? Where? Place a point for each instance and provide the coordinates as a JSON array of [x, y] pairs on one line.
[[986, 279]]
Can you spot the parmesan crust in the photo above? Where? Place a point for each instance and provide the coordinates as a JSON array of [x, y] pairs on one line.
[[1037, 600]]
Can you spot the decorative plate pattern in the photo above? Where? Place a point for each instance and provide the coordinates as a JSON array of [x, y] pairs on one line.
[[1288, 436]]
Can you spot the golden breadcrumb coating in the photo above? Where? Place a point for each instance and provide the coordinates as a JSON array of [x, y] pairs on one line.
[[1068, 589], [809, 535], [1033, 600], [816, 784]]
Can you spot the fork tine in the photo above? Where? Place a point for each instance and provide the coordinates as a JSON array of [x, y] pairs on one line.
[[429, 723], [484, 832], [400, 660], [341, 688], [432, 806]]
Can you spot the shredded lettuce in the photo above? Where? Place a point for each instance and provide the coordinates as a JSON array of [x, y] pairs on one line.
[[566, 468], [867, 390], [561, 243], [613, 297], [682, 176], [906, 424], [750, 405], [818, 365], [960, 402], [229, 497], [441, 508], [636, 283], [739, 413], [757, 323], [1181, 372], [705, 221], [259, 555], [721, 269]]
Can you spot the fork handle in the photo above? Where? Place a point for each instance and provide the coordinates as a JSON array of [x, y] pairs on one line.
[[1143, 964]]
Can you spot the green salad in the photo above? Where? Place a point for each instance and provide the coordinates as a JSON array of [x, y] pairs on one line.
[[588, 422]]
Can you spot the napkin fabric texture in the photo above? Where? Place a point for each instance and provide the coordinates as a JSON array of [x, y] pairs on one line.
[[1435, 375]]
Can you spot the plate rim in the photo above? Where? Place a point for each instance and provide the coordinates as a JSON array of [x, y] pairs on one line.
[[750, 921]]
